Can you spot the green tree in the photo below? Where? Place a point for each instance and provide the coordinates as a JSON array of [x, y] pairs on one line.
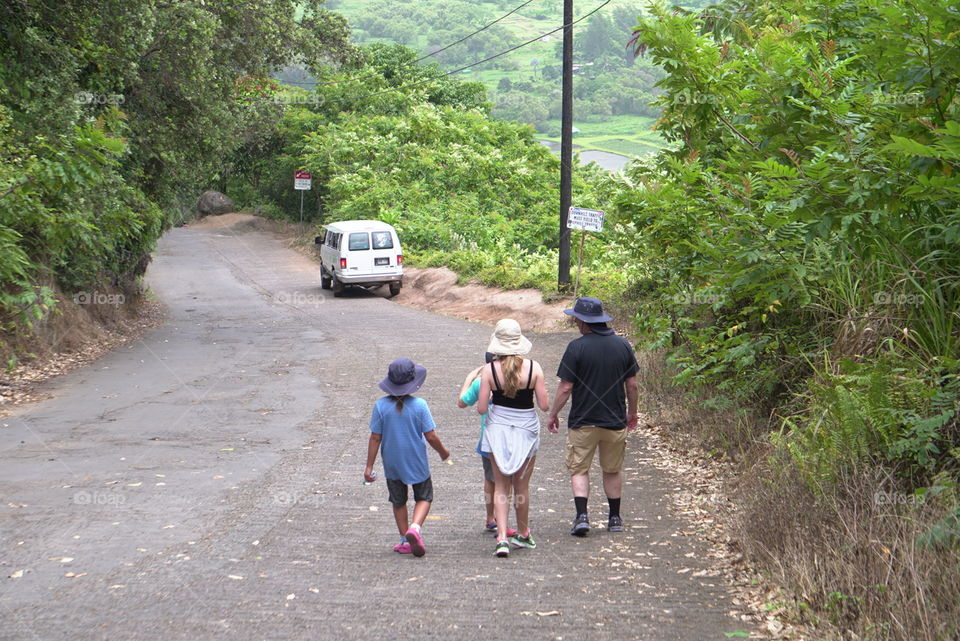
[[596, 39], [521, 107], [113, 112], [814, 187]]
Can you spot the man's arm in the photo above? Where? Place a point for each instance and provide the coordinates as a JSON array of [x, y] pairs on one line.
[[633, 395], [563, 395], [373, 446]]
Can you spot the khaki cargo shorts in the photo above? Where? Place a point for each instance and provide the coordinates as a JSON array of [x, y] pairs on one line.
[[584, 441]]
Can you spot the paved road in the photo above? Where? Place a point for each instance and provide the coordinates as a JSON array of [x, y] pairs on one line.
[[205, 483]]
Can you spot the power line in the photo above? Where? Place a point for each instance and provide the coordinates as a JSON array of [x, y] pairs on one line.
[[448, 73], [506, 15], [422, 58]]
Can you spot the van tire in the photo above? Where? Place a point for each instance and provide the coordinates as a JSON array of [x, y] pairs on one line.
[[325, 281], [336, 286], [394, 289]]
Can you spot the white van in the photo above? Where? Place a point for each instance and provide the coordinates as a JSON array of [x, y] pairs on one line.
[[360, 253]]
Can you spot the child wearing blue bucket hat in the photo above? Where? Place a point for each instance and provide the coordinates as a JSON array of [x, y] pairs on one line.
[[401, 426]]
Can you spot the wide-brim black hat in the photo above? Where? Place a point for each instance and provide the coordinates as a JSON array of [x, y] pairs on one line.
[[589, 310]]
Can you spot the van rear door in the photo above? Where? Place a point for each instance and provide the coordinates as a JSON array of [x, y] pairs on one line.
[[384, 248], [373, 252], [356, 249]]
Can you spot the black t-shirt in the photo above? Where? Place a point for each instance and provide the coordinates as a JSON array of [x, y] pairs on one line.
[[598, 365]]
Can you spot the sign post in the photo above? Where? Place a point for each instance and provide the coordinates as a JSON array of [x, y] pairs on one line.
[[301, 182], [585, 220]]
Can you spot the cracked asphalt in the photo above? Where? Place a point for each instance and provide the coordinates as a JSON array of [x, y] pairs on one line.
[[205, 483]]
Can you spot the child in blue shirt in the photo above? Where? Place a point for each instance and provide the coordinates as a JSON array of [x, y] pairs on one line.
[[400, 427]]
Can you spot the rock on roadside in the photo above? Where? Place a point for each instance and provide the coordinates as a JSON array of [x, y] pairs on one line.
[[213, 203]]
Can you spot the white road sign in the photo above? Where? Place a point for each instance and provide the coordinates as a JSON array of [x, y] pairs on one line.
[[301, 179], [588, 219]]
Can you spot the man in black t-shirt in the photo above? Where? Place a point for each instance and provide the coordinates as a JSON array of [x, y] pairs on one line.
[[599, 369]]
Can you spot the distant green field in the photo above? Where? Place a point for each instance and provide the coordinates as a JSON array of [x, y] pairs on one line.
[[627, 147], [627, 135], [616, 126]]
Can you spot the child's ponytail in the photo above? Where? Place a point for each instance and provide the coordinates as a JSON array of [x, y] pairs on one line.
[[398, 401]]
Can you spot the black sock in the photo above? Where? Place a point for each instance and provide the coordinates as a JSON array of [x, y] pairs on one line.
[[581, 503], [614, 506]]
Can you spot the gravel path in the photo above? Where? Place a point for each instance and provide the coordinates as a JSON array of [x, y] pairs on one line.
[[205, 483]]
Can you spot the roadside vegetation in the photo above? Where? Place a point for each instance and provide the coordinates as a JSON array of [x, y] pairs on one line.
[[108, 134], [796, 261]]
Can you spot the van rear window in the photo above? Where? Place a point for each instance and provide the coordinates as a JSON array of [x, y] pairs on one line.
[[359, 241], [382, 240]]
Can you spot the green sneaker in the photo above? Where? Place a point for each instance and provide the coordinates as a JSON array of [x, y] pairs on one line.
[[502, 549], [523, 541]]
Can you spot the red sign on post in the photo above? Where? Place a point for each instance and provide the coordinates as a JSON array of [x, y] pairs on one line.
[[301, 179]]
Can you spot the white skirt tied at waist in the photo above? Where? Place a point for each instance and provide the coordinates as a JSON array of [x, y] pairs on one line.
[[512, 436]]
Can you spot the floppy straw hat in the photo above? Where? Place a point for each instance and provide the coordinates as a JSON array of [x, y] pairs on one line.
[[507, 339], [403, 377]]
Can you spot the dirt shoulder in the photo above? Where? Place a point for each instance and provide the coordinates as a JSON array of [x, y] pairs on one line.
[[436, 290], [80, 330]]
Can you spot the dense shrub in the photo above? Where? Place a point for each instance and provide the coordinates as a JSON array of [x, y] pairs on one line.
[[796, 256]]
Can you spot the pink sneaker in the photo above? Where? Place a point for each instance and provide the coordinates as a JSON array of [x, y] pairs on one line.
[[402, 548], [416, 542]]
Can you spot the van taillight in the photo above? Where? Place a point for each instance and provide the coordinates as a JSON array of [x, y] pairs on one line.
[[399, 259], [343, 263]]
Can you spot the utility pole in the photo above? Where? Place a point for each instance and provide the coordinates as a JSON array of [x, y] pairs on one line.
[[566, 145]]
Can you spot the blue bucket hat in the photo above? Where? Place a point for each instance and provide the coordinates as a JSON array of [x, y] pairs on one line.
[[589, 310], [403, 377]]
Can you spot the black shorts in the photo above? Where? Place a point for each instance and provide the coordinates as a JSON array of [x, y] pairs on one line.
[[487, 469], [422, 491]]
